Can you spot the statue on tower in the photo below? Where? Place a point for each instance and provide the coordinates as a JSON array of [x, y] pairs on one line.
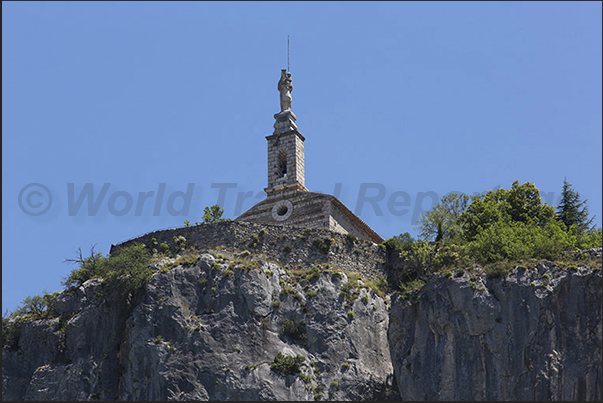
[[285, 87], [285, 119]]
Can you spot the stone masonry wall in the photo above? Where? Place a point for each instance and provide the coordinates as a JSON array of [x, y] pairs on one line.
[[293, 145], [339, 222], [284, 244], [308, 210]]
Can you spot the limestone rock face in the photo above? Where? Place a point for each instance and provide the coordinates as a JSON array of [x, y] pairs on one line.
[[213, 329], [534, 335], [211, 332]]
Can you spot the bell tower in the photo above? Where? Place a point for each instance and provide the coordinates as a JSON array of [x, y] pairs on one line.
[[285, 145], [288, 202]]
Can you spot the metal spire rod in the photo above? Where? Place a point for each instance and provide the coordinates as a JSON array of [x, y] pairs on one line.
[[287, 52]]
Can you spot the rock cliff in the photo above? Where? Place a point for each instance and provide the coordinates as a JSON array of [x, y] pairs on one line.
[[533, 335], [239, 325]]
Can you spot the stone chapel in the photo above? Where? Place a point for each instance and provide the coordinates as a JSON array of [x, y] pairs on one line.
[[288, 200]]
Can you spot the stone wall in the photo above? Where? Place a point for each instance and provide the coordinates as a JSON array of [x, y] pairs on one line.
[[291, 143], [344, 221], [287, 245], [309, 209], [305, 209]]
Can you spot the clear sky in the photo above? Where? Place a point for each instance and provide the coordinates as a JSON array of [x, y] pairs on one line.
[[401, 102]]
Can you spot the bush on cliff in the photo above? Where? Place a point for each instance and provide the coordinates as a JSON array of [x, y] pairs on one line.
[[286, 364], [128, 268], [501, 226], [89, 267]]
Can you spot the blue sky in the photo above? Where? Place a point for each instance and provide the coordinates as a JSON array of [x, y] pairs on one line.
[[400, 101]]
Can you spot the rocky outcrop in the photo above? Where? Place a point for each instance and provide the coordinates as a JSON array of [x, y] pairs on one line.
[[294, 246], [211, 332], [533, 335], [217, 328]]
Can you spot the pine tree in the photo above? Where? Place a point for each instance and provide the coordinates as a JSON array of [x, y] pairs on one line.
[[213, 214], [573, 211]]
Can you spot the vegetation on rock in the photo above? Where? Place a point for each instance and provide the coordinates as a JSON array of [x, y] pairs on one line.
[[287, 364], [213, 214], [497, 231]]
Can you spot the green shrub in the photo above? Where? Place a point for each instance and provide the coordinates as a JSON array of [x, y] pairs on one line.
[[382, 285], [345, 365], [187, 260], [287, 289], [179, 241], [351, 314], [307, 378], [313, 273], [364, 299], [349, 290], [249, 264], [516, 241], [410, 286], [163, 248], [36, 307], [403, 241], [213, 214], [590, 239], [311, 293], [250, 367], [416, 255], [295, 330], [128, 268], [89, 267], [498, 269], [322, 244], [227, 273], [287, 365], [450, 255], [350, 237]]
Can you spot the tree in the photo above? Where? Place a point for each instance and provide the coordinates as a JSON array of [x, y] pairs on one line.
[[520, 204], [89, 267], [38, 306], [573, 211], [442, 221], [213, 214], [525, 205]]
